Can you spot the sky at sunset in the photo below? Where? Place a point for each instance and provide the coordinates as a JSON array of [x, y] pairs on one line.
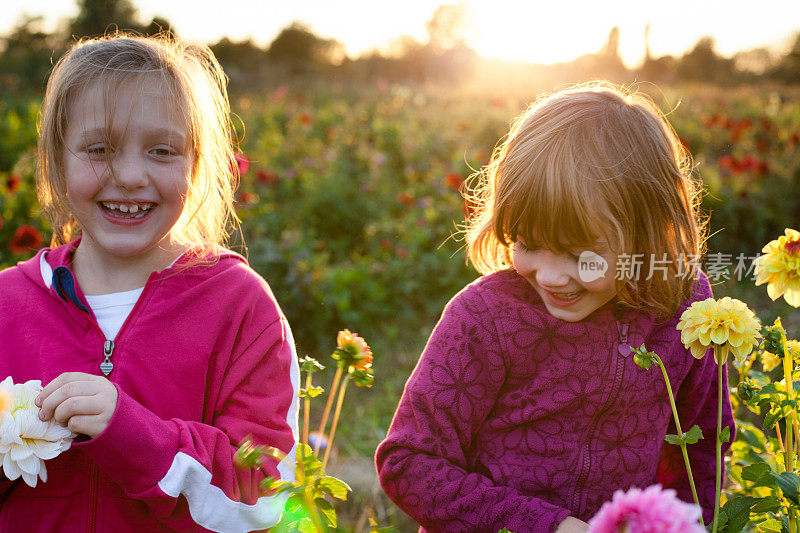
[[532, 30]]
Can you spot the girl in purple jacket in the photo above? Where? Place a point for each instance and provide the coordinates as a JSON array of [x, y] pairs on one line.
[[526, 409], [158, 347]]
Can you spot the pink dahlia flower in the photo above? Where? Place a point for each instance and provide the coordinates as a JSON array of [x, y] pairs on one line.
[[651, 510]]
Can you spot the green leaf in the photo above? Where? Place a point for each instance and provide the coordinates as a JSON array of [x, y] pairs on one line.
[[725, 434], [766, 505], [305, 525], [694, 435], [737, 510], [327, 510], [755, 471], [335, 487], [723, 519], [772, 418], [789, 484], [309, 364], [770, 525], [690, 437], [311, 392]]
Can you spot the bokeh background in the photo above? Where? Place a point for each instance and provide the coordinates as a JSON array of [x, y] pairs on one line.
[[359, 124]]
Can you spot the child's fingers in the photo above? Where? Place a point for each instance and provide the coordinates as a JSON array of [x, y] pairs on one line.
[[85, 424], [76, 406], [68, 390], [58, 382]]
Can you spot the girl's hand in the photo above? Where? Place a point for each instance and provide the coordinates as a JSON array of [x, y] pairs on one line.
[[572, 525], [84, 403]]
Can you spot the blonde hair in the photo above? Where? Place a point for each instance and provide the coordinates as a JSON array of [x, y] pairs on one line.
[[594, 161], [195, 83]]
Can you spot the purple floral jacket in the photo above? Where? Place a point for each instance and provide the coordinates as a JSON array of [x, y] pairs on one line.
[[514, 418]]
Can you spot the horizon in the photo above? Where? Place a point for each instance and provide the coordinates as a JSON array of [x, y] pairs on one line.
[[734, 26]]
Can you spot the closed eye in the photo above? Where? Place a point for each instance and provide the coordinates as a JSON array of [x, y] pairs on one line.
[[100, 149], [163, 152]]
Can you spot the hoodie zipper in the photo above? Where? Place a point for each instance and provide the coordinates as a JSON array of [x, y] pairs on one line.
[[623, 350], [106, 366]]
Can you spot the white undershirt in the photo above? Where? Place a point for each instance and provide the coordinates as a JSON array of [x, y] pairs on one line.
[[111, 310]]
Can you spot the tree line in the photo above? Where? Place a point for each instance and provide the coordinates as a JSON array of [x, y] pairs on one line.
[[27, 53]]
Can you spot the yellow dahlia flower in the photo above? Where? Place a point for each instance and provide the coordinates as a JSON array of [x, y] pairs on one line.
[[779, 268], [726, 324], [352, 351]]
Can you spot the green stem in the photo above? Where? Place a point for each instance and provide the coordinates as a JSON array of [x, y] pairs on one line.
[[306, 408], [680, 433], [791, 422], [336, 378], [335, 422], [718, 478]]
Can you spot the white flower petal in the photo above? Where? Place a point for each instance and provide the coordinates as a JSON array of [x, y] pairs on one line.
[[20, 453], [30, 479], [10, 468], [29, 465], [43, 472]]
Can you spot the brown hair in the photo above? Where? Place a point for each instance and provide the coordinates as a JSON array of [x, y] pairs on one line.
[[195, 83], [594, 161]]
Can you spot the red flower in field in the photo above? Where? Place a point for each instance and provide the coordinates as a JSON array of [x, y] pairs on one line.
[[12, 183], [25, 239], [242, 163], [794, 140], [453, 180], [248, 197], [268, 177], [305, 118], [402, 252], [766, 124], [386, 244], [280, 92], [405, 198], [728, 162]]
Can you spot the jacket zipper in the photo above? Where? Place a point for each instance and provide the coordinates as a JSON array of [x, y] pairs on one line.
[[623, 350], [106, 366]]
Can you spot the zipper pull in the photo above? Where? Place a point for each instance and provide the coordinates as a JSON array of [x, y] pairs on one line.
[[624, 349], [107, 366]]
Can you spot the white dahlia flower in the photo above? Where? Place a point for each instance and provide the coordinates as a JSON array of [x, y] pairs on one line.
[[25, 441]]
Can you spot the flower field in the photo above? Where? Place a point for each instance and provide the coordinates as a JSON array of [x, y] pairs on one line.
[[350, 205]]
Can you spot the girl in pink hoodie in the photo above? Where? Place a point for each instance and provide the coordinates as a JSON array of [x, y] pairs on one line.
[[158, 347], [526, 409]]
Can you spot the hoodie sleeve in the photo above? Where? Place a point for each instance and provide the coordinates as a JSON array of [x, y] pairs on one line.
[[184, 470], [696, 400], [423, 464]]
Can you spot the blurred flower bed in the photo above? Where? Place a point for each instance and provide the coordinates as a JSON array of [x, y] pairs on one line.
[[350, 197]]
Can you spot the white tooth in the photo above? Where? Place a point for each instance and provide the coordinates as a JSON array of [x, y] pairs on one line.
[[123, 208], [133, 209], [111, 206]]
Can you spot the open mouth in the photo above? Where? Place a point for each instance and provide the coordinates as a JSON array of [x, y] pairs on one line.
[[566, 297], [127, 210]]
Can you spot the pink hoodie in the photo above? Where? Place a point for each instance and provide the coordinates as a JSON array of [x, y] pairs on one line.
[[205, 359]]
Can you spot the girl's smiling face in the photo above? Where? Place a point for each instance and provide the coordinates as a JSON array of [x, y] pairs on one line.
[[555, 276], [127, 180]]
